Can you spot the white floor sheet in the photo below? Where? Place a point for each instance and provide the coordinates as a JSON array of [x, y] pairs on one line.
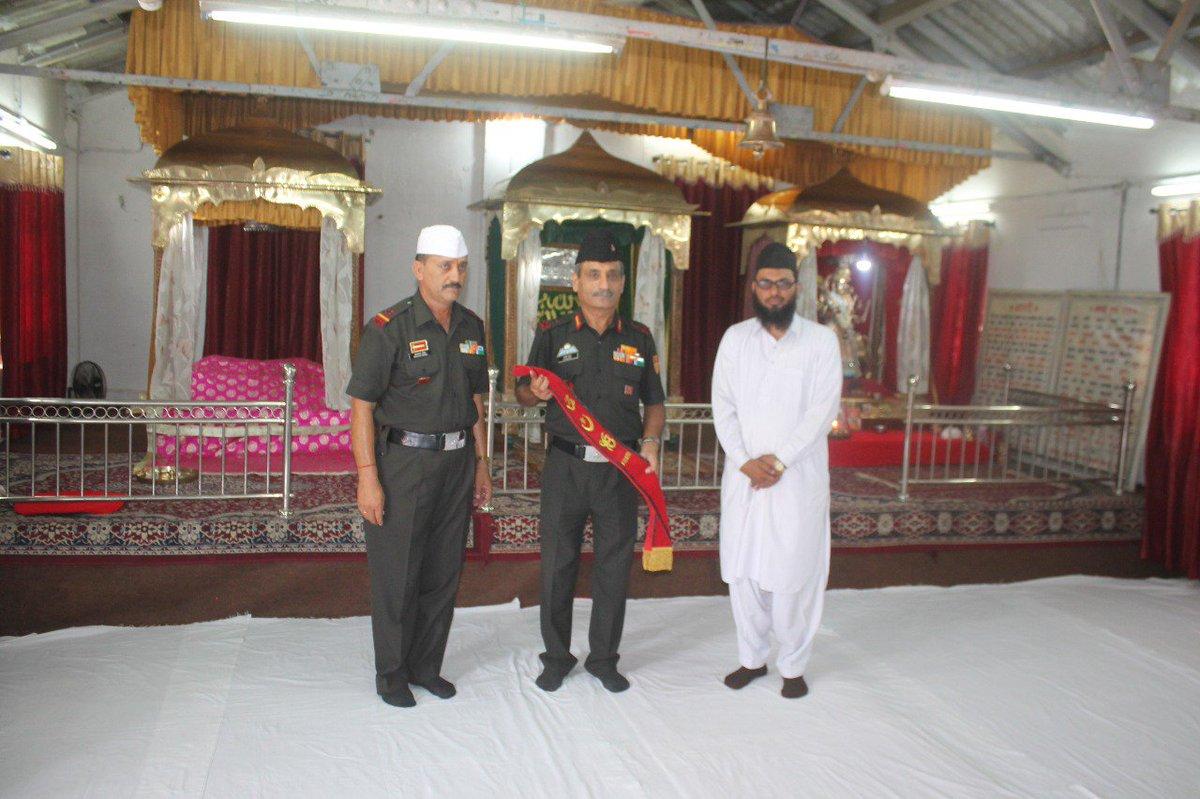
[[1070, 687]]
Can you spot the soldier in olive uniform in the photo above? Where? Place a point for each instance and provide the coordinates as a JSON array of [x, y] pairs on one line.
[[613, 364], [417, 426]]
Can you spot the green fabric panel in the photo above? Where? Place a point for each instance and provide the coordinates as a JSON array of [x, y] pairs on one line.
[[495, 288]]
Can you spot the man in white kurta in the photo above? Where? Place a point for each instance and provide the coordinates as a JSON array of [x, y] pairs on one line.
[[776, 390]]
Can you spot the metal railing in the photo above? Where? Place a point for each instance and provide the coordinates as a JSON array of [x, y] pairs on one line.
[[47, 473], [690, 457], [1029, 437]]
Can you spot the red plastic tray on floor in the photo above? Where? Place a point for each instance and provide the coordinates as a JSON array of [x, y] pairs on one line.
[[97, 508]]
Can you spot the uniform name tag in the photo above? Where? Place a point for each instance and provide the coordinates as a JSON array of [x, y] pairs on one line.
[[469, 347], [568, 352], [418, 349]]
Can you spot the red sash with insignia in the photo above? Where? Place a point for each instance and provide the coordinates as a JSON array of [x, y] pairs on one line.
[[656, 552]]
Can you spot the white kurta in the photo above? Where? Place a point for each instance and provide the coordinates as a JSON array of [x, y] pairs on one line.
[[779, 397]]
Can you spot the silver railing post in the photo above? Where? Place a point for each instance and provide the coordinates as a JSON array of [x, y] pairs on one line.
[[490, 432], [1123, 453], [493, 376], [289, 401], [1007, 382], [908, 422]]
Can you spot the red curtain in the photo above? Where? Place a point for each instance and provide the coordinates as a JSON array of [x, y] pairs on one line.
[[957, 321], [1172, 535], [711, 297], [263, 293], [33, 292]]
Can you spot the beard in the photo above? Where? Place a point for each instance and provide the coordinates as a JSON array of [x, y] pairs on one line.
[[780, 317]]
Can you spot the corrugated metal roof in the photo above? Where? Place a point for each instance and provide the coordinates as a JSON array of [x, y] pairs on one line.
[[88, 46], [1032, 37]]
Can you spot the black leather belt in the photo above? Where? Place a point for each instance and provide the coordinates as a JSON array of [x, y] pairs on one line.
[[456, 439], [580, 451]]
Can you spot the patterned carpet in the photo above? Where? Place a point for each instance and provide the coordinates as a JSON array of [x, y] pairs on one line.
[[865, 515]]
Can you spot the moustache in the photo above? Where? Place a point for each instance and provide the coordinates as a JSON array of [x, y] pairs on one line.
[[452, 286], [608, 295]]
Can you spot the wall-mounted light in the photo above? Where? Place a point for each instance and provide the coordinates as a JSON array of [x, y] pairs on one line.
[[23, 129], [1177, 187], [324, 18], [863, 264], [988, 101]]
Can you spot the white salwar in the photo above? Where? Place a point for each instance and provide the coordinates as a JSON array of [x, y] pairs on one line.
[[776, 397]]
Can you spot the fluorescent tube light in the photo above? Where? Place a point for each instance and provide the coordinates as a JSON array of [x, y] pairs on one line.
[[970, 98], [387, 25], [962, 211], [1177, 187], [22, 128]]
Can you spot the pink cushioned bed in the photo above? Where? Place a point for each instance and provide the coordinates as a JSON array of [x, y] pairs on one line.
[[317, 430]]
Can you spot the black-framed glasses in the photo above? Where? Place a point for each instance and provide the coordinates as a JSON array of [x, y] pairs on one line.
[[783, 284]]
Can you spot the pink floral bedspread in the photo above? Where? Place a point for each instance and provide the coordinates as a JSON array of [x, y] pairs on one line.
[[218, 378]]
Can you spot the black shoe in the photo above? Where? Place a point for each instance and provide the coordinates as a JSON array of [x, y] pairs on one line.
[[743, 676], [551, 678], [400, 697], [794, 687], [439, 687], [611, 679]]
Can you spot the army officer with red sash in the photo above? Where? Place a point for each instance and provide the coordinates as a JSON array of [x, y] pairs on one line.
[[612, 364]]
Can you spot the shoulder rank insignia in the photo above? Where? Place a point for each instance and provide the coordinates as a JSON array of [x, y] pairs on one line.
[[382, 318]]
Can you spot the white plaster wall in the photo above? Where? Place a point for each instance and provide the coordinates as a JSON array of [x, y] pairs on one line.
[[1055, 233], [110, 264]]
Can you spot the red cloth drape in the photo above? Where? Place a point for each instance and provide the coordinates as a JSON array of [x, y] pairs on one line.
[[1172, 535], [957, 322], [264, 297], [33, 292], [711, 297]]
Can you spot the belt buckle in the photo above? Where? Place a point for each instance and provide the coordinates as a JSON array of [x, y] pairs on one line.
[[458, 442], [593, 455]]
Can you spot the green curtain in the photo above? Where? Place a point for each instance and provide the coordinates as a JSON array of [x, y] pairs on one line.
[[495, 291]]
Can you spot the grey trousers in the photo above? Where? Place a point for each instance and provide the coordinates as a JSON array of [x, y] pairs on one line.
[[415, 558], [573, 490]]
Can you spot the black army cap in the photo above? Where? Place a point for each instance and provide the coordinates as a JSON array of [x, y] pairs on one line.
[[775, 256], [598, 245]]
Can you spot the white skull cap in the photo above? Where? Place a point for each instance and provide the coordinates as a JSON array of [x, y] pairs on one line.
[[444, 240]]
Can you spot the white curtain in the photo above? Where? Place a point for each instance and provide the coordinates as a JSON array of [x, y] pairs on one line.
[[337, 290], [912, 339], [806, 296], [648, 294], [179, 320], [529, 286]]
